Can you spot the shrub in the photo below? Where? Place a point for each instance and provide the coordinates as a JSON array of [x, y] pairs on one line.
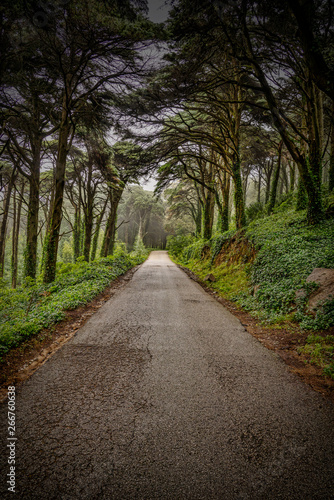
[[176, 244], [254, 211]]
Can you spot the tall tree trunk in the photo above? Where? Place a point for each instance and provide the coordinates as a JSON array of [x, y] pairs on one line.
[[285, 178], [3, 227], [301, 196], [292, 168], [273, 192], [76, 233], [208, 214], [198, 224], [259, 188], [331, 161], [268, 184], [224, 208], [97, 231], [239, 202], [30, 263], [88, 235], [126, 229], [88, 215], [198, 219], [52, 237], [16, 233], [220, 213], [110, 231]]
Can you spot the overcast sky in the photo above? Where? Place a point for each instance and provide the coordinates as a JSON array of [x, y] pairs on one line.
[[158, 11]]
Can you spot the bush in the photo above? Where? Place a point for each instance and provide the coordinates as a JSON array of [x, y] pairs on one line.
[[193, 251], [176, 244], [254, 211]]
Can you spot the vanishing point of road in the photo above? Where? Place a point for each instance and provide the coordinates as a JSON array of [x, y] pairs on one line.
[[164, 395]]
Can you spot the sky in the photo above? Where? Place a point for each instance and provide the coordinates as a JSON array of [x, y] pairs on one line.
[[158, 11]]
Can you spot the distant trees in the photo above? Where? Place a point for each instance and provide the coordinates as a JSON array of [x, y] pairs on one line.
[[141, 219]]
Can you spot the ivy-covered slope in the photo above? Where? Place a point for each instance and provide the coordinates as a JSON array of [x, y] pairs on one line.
[[262, 267]]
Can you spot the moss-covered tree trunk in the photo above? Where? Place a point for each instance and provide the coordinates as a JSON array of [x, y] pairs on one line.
[[224, 180], [3, 226], [331, 160], [198, 219], [223, 208], [97, 231], [30, 257], [208, 214], [273, 191], [110, 230], [292, 168], [17, 208], [76, 233], [89, 209], [239, 203], [52, 236], [268, 181]]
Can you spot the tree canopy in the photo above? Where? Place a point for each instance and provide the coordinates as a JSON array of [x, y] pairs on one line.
[[229, 104]]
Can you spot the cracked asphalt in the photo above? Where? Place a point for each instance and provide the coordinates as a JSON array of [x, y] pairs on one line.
[[164, 395]]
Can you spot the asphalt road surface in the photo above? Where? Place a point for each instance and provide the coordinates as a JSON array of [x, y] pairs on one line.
[[164, 395]]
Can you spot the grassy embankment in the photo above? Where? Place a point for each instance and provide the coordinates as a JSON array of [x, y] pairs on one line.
[[25, 311], [262, 267]]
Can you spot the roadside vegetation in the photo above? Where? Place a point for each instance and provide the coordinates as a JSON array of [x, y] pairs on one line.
[[26, 310], [262, 267]]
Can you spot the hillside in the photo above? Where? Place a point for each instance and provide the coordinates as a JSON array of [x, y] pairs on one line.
[[264, 268]]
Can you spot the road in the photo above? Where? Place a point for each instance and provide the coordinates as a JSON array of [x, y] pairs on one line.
[[164, 395]]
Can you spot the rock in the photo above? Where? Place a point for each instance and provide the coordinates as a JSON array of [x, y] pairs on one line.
[[325, 279], [210, 277]]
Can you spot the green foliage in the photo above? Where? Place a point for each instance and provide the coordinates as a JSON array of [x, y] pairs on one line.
[[321, 352], [323, 319], [286, 203], [139, 249], [30, 308], [254, 211], [288, 252], [193, 251], [176, 244], [218, 241]]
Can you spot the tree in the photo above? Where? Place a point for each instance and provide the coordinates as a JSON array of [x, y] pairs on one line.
[[27, 125], [140, 211], [17, 210], [88, 56], [266, 62], [124, 167], [182, 200], [11, 177]]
